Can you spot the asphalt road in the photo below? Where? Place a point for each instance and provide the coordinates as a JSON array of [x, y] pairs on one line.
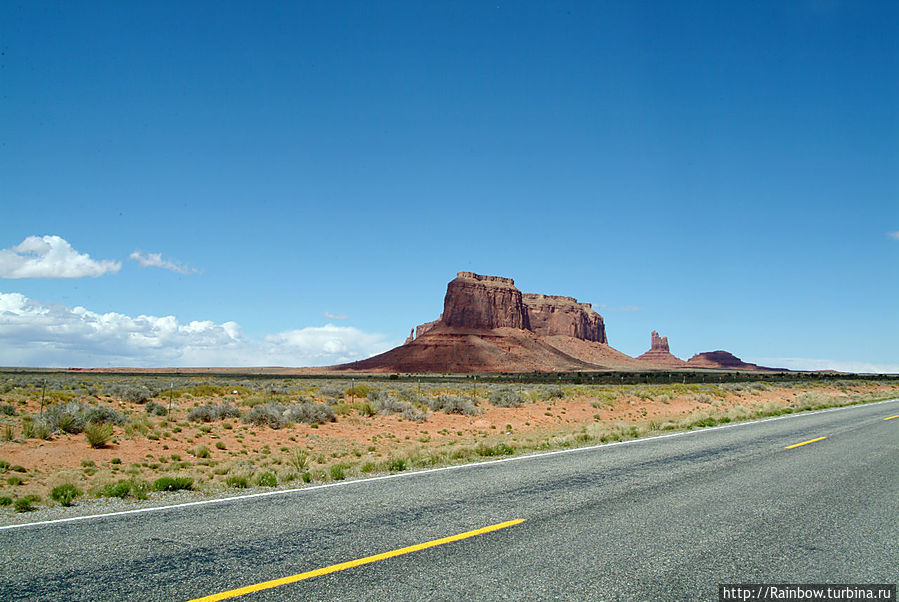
[[656, 519]]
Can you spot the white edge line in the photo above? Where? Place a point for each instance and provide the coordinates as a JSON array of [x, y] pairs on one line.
[[440, 469]]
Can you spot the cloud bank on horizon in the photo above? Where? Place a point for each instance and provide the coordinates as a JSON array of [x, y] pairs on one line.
[[54, 335]]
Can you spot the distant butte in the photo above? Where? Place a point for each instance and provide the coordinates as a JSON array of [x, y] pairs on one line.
[[659, 354], [488, 325], [721, 360]]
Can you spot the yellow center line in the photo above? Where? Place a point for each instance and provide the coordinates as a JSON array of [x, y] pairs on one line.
[[804, 442], [353, 563], [891, 417]]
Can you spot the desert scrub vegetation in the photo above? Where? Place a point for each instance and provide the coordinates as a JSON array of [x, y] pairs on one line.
[[65, 494], [211, 412], [72, 417], [130, 392], [506, 398], [98, 434], [453, 404], [385, 403], [153, 408], [310, 413], [26, 503], [173, 484], [278, 416]]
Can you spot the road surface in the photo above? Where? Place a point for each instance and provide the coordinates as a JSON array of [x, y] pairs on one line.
[[655, 519]]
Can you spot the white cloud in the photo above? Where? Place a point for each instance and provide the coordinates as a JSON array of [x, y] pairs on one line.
[[40, 334], [331, 316], [51, 257], [155, 260], [803, 363], [894, 235], [324, 343]]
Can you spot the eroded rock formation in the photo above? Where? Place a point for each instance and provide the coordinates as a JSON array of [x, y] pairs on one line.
[[423, 328], [553, 315], [659, 353], [483, 302], [488, 325], [658, 343]]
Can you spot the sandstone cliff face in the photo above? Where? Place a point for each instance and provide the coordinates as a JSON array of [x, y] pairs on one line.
[[659, 354], [423, 328], [483, 302], [556, 315], [411, 337]]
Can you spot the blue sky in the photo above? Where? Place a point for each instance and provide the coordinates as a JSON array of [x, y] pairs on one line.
[[295, 183]]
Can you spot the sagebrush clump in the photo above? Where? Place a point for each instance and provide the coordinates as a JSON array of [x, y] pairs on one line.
[[506, 398], [453, 404], [211, 412]]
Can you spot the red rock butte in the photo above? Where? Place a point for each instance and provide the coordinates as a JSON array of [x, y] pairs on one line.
[[488, 325], [659, 354], [721, 360]]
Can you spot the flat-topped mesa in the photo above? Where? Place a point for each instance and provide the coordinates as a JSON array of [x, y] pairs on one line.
[[498, 280], [483, 302], [559, 315]]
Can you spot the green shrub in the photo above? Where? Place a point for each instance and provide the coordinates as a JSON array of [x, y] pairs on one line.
[[310, 413], [500, 449], [267, 479], [102, 414], [210, 412], [140, 489], [270, 414], [98, 435], [338, 472], [26, 504], [298, 460], [4, 465], [395, 464], [42, 430], [238, 481], [5, 501], [173, 483], [206, 390], [7, 409], [17, 468], [453, 404], [359, 391], [201, 451], [307, 477], [119, 489], [220, 445], [65, 494], [155, 409], [14, 480], [506, 398]]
